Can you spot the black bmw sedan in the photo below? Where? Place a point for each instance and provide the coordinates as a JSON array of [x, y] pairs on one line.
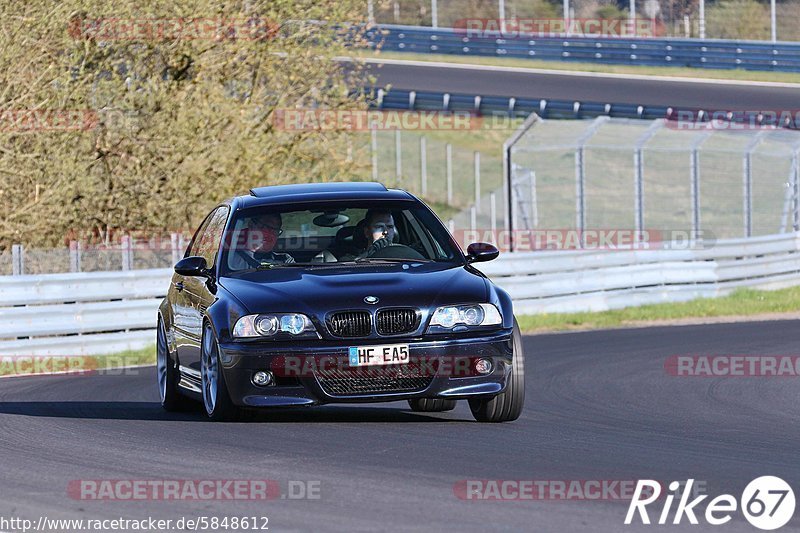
[[301, 295]]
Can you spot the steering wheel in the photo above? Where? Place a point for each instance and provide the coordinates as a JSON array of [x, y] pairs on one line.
[[397, 251]]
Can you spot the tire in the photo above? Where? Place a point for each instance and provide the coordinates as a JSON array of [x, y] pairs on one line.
[[167, 374], [507, 405], [431, 405], [217, 402]]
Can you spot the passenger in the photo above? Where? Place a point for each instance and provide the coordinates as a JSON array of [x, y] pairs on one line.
[[261, 237]]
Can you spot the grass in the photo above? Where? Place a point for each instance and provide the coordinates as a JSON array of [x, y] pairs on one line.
[[742, 302], [686, 72], [31, 365]]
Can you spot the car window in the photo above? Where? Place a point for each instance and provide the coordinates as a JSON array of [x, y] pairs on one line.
[[194, 244], [206, 242], [336, 233]]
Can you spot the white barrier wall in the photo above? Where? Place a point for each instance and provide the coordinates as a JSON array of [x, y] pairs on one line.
[[80, 313], [573, 281], [106, 312]]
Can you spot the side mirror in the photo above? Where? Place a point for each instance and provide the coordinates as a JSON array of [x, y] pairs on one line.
[[192, 266], [478, 252]]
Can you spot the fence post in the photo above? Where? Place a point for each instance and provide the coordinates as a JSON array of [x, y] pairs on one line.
[[638, 168], [371, 12], [747, 194], [374, 149], [434, 14], [796, 195], [17, 260], [127, 252], [398, 157], [695, 193], [423, 166], [747, 185], [534, 203], [493, 215], [580, 177], [74, 256], [477, 164], [580, 201], [638, 190], [449, 165], [695, 184], [473, 218], [702, 24], [508, 172]]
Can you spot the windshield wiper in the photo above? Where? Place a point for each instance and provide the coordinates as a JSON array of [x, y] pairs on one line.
[[270, 266], [390, 260]]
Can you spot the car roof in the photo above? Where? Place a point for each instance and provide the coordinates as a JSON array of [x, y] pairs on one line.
[[320, 192]]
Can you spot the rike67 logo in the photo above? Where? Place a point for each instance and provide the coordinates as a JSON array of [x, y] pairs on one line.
[[767, 503]]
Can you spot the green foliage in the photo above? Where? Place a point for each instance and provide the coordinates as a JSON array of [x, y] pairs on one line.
[[738, 19], [611, 12], [182, 119]]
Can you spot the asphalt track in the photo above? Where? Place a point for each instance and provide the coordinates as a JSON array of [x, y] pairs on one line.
[[599, 406], [751, 96]]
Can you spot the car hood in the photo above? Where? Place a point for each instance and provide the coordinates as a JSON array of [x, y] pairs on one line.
[[318, 290]]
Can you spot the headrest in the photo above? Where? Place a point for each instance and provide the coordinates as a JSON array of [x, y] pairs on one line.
[[344, 233]]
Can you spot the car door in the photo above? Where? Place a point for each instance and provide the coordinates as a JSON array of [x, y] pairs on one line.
[[181, 314], [198, 292]]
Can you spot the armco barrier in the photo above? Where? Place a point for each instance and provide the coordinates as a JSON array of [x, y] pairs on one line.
[[708, 53], [516, 107], [105, 312], [83, 313], [573, 281]]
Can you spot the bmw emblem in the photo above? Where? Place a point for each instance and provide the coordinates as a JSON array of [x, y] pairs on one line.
[[371, 299]]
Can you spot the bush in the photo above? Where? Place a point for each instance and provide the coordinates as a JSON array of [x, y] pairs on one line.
[[737, 19], [174, 123]]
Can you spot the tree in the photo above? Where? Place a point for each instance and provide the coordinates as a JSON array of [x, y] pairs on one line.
[[172, 107]]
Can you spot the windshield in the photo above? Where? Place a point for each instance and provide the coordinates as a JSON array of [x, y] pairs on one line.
[[274, 236]]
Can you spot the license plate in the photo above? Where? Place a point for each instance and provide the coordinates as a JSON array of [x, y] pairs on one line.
[[386, 354]]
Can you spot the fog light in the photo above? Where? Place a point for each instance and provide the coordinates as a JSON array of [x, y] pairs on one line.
[[483, 366], [262, 379]]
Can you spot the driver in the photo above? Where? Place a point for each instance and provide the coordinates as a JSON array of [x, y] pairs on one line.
[[261, 237], [379, 231]]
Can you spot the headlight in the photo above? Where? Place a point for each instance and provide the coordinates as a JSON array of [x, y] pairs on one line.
[[293, 324], [448, 317]]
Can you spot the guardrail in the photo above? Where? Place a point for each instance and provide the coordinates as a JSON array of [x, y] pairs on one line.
[[549, 108], [709, 53], [82, 313], [519, 107], [103, 312], [574, 281]]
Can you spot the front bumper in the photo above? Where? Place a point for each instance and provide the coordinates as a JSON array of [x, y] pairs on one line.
[[300, 380]]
